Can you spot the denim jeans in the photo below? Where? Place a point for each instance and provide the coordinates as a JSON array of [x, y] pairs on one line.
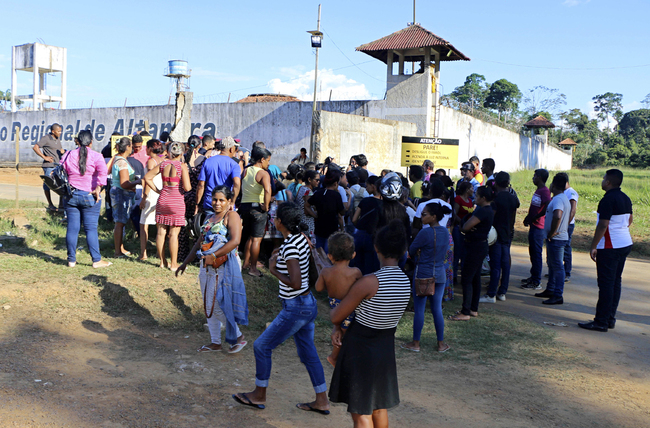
[[555, 259], [609, 266], [82, 206], [499, 268], [567, 253], [535, 247], [435, 304], [47, 171], [296, 319], [471, 275]]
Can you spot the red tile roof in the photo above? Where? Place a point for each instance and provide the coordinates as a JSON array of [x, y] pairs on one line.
[[567, 142], [539, 122], [413, 37]]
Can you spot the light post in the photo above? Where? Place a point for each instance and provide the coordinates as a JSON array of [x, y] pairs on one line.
[[316, 43]]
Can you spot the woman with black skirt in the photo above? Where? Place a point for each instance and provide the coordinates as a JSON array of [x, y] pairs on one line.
[[365, 376]]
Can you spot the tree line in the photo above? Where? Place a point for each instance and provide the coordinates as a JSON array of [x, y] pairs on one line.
[[612, 138]]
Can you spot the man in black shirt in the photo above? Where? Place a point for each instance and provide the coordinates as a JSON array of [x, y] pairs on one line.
[[505, 206], [329, 208]]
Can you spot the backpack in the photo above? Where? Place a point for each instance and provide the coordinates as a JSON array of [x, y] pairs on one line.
[[58, 180]]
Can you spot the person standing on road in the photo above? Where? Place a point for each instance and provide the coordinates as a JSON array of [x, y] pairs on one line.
[[573, 200], [505, 206], [535, 220], [609, 249], [49, 148], [556, 234]]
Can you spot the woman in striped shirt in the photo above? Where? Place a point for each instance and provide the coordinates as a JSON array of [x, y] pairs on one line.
[[290, 264], [368, 347]]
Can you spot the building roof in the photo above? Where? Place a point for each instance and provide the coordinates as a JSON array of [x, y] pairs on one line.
[[539, 122], [267, 98], [412, 37], [567, 142]]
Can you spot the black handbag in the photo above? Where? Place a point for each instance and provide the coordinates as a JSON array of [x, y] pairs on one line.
[[58, 181]]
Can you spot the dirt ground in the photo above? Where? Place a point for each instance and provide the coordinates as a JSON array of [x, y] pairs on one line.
[[27, 176], [65, 370]]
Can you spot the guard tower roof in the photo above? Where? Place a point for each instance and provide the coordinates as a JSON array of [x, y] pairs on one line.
[[411, 39]]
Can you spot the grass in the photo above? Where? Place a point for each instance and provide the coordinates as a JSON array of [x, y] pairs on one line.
[[139, 294], [587, 184]]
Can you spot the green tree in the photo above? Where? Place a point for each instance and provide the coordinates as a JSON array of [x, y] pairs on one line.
[[608, 105], [5, 97], [503, 96], [541, 98], [473, 91]]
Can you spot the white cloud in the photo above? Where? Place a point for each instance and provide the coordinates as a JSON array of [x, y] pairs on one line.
[[218, 75], [302, 86], [571, 3]]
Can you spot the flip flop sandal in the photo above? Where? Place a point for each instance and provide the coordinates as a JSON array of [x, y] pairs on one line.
[[312, 409], [206, 348], [455, 318], [237, 347], [256, 276], [408, 349], [445, 349], [248, 402]]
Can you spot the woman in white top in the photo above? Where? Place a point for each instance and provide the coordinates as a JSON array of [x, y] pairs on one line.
[[368, 347], [290, 265]]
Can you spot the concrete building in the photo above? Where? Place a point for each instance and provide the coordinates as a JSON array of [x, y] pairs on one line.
[[41, 60]]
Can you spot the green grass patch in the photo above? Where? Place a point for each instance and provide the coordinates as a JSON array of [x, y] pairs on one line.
[[587, 183]]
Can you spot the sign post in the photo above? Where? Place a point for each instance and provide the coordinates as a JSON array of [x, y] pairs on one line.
[[443, 152]]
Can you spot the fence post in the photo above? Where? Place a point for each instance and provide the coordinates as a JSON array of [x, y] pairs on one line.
[[17, 129]]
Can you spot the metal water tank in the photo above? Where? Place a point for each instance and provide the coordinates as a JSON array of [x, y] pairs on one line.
[[178, 67]]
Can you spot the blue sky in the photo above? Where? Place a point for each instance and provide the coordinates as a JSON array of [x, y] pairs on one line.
[[118, 50]]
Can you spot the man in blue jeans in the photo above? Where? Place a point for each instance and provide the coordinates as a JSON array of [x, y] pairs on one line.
[[609, 249], [556, 232], [535, 219], [505, 206]]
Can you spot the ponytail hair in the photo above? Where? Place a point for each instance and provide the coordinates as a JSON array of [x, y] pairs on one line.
[[85, 138], [290, 215]]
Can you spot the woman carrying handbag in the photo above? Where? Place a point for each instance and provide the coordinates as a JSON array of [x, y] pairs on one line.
[[430, 247]]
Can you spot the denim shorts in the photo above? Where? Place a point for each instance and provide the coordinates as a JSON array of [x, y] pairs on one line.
[[47, 171], [122, 202]]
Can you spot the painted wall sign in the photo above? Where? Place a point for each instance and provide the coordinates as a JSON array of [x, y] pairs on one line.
[[442, 151]]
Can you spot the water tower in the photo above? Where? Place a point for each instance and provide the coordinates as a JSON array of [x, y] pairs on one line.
[[179, 73], [40, 59]]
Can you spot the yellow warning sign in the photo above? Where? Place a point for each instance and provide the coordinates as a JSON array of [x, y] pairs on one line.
[[443, 152], [116, 138]]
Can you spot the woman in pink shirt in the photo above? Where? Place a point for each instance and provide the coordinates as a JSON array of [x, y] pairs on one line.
[[87, 174]]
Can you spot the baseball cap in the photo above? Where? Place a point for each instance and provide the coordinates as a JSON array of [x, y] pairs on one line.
[[229, 142], [468, 166]]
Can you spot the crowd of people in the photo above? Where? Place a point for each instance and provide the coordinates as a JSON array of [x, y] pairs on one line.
[[389, 238]]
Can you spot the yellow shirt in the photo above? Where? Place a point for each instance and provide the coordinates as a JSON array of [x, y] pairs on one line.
[[479, 177], [252, 191], [416, 190]]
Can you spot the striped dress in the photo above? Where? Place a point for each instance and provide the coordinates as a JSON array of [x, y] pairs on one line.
[[365, 376], [170, 208]]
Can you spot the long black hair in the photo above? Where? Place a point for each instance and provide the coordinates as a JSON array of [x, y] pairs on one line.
[[122, 145], [85, 139]]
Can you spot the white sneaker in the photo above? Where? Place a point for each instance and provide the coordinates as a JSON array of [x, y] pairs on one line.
[[487, 299], [501, 297]]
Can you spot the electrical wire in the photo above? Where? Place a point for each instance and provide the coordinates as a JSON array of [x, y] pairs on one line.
[[565, 68], [351, 62]]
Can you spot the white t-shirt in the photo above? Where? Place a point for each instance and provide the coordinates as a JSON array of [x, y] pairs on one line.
[[572, 195], [445, 219], [343, 194]]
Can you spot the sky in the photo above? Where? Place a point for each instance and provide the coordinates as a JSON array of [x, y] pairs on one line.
[[118, 50]]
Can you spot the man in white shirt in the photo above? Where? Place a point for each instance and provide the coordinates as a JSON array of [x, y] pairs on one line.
[[573, 197]]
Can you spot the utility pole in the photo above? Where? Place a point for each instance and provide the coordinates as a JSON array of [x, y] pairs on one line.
[[413, 12], [316, 43]]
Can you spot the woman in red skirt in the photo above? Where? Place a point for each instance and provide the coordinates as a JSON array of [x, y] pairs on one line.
[[170, 209]]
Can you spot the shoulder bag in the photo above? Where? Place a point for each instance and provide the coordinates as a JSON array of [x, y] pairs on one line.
[[58, 180]]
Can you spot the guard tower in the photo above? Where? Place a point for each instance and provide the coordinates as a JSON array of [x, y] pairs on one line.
[[179, 74], [414, 97], [39, 59]]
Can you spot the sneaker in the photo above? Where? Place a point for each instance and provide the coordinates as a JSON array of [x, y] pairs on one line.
[[501, 297], [529, 279], [532, 286], [567, 279], [487, 299]]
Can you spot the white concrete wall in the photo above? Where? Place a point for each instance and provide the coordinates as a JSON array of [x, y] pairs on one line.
[[510, 151], [345, 135]]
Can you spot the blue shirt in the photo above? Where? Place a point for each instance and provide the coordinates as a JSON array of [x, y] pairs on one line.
[[433, 243], [559, 202], [217, 171]]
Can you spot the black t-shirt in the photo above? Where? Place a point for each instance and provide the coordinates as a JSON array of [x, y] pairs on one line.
[[505, 206], [371, 210], [328, 204], [138, 168], [481, 230]]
